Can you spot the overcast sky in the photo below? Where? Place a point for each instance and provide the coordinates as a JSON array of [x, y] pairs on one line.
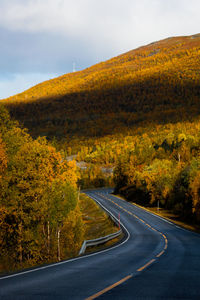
[[41, 39]]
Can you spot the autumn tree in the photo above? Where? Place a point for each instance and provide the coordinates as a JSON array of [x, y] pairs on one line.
[[38, 192]]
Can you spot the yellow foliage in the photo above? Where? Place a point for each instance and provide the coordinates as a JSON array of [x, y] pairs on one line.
[[3, 158]]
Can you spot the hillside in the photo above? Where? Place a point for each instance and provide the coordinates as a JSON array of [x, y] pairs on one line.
[[154, 83]]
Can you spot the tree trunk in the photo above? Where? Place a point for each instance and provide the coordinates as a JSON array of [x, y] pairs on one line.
[[20, 243], [58, 243], [48, 238]]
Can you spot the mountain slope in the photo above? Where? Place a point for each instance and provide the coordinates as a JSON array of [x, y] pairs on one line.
[[158, 83]]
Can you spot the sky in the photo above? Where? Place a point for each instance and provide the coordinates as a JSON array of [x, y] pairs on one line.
[[43, 39]]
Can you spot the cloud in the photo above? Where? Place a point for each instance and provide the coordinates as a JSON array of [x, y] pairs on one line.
[[47, 36], [41, 15], [119, 23]]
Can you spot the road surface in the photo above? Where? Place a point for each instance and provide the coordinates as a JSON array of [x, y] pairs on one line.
[[156, 260]]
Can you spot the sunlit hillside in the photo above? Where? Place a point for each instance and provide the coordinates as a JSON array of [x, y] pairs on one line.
[[158, 83]]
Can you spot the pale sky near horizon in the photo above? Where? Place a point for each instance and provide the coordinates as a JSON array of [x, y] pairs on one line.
[[41, 39]]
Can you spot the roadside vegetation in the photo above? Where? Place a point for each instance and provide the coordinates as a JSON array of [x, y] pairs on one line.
[[96, 222]]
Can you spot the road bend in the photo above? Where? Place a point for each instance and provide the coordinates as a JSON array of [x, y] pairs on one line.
[[155, 260]]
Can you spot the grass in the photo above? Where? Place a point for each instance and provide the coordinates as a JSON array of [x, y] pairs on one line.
[[97, 223]]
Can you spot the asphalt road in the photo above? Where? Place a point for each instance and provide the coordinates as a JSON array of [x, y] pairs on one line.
[[156, 260]]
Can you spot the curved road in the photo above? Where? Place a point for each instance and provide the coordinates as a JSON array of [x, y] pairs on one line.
[[157, 260]]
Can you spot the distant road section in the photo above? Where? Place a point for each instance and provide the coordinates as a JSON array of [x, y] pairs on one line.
[[156, 260]]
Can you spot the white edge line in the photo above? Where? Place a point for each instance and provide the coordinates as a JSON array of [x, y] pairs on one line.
[[77, 258], [165, 220], [151, 213], [161, 218]]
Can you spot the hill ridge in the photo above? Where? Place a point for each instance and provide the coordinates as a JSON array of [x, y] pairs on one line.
[[161, 77]]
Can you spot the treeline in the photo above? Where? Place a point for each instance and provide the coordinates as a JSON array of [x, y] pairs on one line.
[[40, 219]]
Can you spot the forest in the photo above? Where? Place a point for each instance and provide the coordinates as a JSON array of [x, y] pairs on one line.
[[40, 217], [163, 164]]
